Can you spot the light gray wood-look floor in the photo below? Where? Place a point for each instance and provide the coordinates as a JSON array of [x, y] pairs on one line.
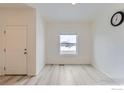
[[62, 75]]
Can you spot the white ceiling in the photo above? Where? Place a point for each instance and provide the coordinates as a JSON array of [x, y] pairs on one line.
[[66, 11]]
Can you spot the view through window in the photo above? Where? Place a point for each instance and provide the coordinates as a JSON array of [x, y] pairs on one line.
[[68, 44]]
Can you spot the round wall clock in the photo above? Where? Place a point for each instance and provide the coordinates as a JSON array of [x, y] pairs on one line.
[[117, 18]]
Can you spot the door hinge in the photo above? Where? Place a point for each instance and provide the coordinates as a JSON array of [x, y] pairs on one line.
[[4, 50], [4, 31], [4, 68]]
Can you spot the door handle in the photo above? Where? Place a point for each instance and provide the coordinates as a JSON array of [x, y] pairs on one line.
[[25, 53]]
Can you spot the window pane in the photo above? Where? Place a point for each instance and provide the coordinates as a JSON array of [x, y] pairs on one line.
[[68, 44]]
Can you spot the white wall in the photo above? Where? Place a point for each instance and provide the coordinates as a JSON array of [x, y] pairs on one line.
[[40, 39], [20, 16], [109, 44], [53, 30]]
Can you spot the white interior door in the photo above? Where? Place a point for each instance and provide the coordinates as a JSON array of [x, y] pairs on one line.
[[15, 56], [0, 51]]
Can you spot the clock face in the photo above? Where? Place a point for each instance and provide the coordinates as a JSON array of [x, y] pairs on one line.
[[117, 18]]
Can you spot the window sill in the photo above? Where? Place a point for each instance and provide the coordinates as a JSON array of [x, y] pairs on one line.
[[68, 53]]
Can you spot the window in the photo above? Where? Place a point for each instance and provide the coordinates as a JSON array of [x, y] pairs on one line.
[[68, 44]]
